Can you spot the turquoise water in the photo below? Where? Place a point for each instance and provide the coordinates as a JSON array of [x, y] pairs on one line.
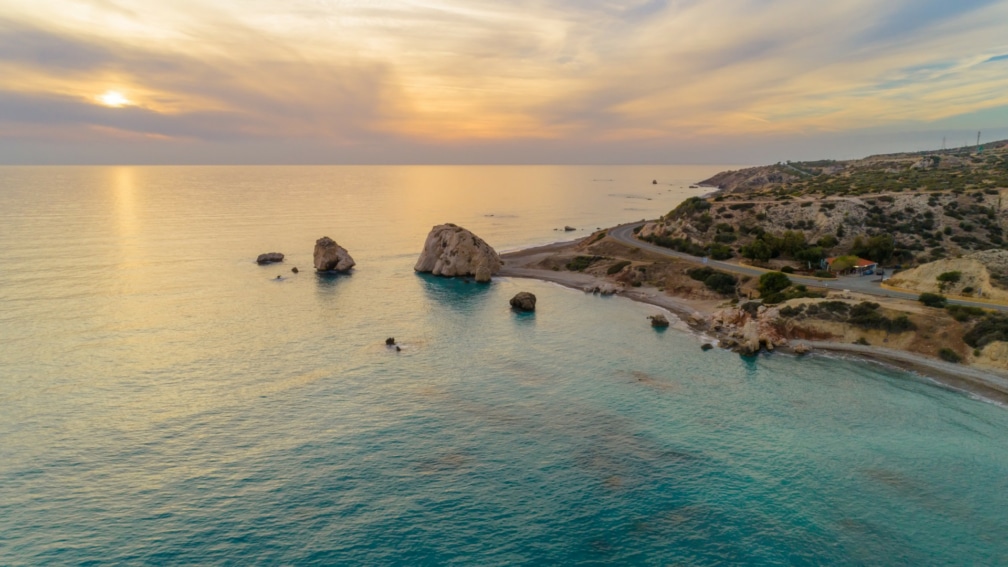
[[164, 400]]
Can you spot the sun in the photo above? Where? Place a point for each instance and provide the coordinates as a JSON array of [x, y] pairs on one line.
[[115, 99]]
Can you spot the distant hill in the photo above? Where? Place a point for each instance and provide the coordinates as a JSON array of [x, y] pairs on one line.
[[929, 170]]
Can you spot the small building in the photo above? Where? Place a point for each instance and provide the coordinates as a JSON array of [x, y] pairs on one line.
[[861, 267]]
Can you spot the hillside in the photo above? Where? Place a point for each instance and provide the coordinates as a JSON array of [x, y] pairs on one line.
[[899, 210]]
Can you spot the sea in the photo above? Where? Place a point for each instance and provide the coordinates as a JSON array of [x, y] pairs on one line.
[[164, 400]]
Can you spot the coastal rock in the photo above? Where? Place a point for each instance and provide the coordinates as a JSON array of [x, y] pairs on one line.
[[748, 332], [802, 349], [269, 258], [569, 229], [451, 250], [659, 321], [523, 301], [331, 257], [706, 346]]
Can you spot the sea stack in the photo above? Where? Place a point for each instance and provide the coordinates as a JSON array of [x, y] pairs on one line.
[[331, 257], [451, 250]]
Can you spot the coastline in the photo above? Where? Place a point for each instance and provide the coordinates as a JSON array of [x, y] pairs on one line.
[[982, 383]]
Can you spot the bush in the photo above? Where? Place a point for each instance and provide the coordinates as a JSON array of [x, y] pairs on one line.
[[773, 282], [994, 327], [720, 282], [963, 313], [787, 270], [949, 277], [949, 355], [932, 300], [789, 311], [824, 274], [617, 267], [579, 263]]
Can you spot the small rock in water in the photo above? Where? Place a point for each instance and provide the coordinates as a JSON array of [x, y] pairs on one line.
[[658, 320], [397, 349], [523, 301], [294, 269], [278, 277], [706, 346], [390, 341], [654, 182], [569, 228], [269, 258]]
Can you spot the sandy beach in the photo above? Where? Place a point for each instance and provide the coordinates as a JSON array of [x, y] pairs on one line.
[[985, 384]]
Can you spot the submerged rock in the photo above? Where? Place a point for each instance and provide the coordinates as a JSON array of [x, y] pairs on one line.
[[269, 258], [523, 301], [331, 257], [706, 346], [451, 250]]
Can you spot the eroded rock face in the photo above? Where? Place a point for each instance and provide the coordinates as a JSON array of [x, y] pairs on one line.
[[451, 250], [748, 333], [524, 301], [269, 258], [331, 257]]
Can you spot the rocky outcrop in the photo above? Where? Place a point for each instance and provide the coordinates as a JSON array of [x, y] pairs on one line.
[[269, 258], [331, 257], [523, 301], [748, 333], [451, 250]]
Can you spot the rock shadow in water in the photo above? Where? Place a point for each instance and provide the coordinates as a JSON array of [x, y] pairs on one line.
[[329, 281], [456, 292]]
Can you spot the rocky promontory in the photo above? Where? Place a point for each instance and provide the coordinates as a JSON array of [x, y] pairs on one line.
[[331, 257], [451, 250]]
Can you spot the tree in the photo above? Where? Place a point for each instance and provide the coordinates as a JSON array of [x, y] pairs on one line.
[[843, 263], [758, 250]]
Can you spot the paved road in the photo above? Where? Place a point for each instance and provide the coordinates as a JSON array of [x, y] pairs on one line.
[[860, 284]]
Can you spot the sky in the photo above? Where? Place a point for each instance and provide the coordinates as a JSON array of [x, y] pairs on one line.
[[480, 81]]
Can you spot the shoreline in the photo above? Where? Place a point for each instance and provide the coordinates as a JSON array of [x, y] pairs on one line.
[[984, 384]]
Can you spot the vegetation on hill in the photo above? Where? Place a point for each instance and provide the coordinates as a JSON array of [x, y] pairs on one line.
[[905, 209]]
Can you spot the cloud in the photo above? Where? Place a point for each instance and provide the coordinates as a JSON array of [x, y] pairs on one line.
[[433, 77]]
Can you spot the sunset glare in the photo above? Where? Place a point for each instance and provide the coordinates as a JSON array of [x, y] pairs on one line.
[[114, 99]]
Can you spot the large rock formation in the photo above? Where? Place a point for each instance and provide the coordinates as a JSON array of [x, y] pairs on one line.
[[269, 258], [451, 250], [523, 301], [331, 257]]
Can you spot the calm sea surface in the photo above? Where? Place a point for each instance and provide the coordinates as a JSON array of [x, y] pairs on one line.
[[166, 401]]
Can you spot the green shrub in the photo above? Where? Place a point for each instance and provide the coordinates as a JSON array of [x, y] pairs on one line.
[[773, 282], [720, 282], [963, 313], [949, 355], [579, 263], [824, 274], [617, 267], [993, 327], [949, 277], [789, 311], [932, 299], [787, 270]]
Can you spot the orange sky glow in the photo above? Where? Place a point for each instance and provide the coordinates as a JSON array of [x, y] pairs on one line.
[[420, 80]]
